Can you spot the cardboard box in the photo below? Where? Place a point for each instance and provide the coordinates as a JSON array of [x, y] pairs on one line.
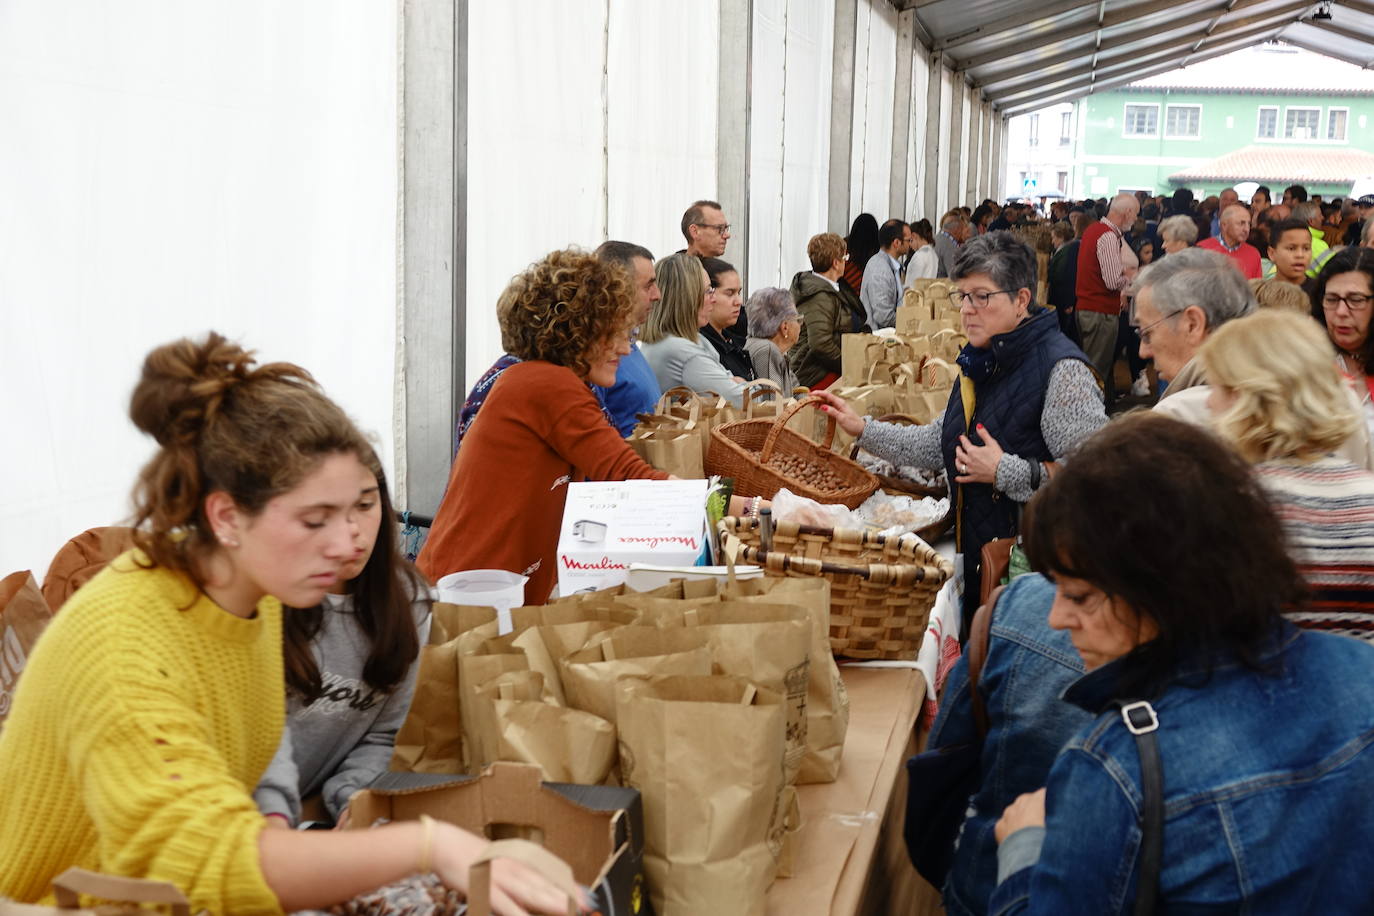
[[608, 526], [598, 830]]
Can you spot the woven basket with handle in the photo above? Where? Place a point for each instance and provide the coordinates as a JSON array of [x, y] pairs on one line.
[[881, 589], [744, 448]]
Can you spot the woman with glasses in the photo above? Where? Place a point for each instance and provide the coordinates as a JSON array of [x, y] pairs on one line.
[[1025, 398], [1341, 300], [678, 352], [1175, 602]]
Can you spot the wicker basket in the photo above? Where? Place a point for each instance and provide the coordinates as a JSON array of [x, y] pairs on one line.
[[881, 589], [742, 450], [899, 486]]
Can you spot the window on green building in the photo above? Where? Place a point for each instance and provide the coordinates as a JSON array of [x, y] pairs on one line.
[[1183, 121], [1335, 123], [1268, 128], [1301, 123], [1142, 120]]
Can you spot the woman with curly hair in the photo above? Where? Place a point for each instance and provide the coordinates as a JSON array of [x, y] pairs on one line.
[[567, 319]]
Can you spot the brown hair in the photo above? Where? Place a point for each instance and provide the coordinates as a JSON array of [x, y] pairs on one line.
[[694, 215], [824, 250], [563, 307], [1191, 543], [224, 424]]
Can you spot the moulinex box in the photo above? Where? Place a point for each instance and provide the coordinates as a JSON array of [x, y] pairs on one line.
[[608, 526]]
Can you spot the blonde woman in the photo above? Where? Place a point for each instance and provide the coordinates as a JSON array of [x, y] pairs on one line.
[[1277, 397], [672, 341]]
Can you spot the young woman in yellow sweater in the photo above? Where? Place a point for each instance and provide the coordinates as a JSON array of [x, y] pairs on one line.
[[153, 703]]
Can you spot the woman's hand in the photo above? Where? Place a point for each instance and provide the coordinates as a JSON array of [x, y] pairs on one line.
[[977, 463], [844, 415], [515, 887], [1027, 811]]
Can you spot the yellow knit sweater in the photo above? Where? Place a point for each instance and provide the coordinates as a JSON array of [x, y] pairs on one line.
[[140, 726]]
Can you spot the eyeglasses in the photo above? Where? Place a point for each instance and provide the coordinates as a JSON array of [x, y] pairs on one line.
[[710, 290], [1145, 333], [979, 299], [722, 228], [1356, 302]]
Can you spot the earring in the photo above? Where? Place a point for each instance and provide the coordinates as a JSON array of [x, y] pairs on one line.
[[228, 541]]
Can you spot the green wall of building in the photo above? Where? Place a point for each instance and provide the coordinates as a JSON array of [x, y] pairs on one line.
[[1227, 121]]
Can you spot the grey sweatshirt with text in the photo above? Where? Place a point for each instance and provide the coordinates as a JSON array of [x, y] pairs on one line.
[[343, 741]]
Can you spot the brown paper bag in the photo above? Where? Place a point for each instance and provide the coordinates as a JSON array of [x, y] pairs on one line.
[[827, 701], [705, 754], [23, 617], [767, 643], [128, 896], [431, 739], [475, 671], [513, 725], [674, 450], [590, 674]]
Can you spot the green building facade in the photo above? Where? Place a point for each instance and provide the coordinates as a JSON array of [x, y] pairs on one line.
[[1142, 136]]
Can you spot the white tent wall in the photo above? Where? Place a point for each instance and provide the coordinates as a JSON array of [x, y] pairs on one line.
[[789, 150], [875, 68], [614, 140], [168, 168]]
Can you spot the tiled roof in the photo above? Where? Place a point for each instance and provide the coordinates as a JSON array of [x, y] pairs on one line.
[[1267, 164], [1267, 68]]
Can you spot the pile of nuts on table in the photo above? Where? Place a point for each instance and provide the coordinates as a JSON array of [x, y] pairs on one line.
[[799, 469]]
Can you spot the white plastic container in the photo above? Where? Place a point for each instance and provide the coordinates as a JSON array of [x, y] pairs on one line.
[[495, 588]]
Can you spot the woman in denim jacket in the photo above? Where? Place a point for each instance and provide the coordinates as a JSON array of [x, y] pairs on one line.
[[1027, 667], [1266, 732]]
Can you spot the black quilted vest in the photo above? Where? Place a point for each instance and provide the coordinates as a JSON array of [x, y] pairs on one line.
[[1008, 403]]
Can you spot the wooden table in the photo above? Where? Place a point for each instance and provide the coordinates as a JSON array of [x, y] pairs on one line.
[[851, 858]]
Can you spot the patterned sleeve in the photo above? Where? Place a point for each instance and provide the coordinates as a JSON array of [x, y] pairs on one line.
[[1073, 411], [904, 446]]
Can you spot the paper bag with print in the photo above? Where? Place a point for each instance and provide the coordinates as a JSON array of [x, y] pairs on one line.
[[827, 701], [706, 755]]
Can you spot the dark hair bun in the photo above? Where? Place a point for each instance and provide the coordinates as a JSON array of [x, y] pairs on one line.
[[184, 384]]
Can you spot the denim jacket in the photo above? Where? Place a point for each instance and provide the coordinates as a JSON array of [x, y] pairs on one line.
[[1268, 790], [1028, 666]]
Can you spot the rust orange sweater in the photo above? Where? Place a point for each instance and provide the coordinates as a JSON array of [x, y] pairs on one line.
[[540, 426]]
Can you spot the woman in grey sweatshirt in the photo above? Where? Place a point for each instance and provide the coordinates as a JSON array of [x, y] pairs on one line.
[[350, 670]]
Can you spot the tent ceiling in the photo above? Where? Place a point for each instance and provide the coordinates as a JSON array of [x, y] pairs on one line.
[[1026, 54]]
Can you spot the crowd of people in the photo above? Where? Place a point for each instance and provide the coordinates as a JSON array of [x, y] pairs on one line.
[[1212, 557]]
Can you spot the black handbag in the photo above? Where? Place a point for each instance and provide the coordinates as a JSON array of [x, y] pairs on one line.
[[941, 781]]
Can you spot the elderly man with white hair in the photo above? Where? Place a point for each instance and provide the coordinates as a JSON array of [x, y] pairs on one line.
[[1177, 303], [1106, 264], [1235, 229]]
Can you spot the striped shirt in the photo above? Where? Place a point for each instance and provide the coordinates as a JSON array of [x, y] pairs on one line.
[[1327, 511]]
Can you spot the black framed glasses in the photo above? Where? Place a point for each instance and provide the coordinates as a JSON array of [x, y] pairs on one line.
[[720, 229], [1356, 302], [979, 299]]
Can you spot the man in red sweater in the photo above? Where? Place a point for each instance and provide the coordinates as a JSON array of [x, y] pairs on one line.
[[1106, 264], [1235, 229]]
